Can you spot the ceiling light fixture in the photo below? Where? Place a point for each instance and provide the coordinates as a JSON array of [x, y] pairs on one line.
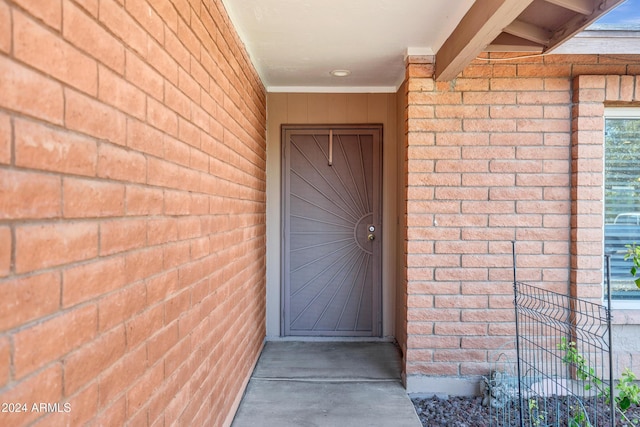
[[340, 73]]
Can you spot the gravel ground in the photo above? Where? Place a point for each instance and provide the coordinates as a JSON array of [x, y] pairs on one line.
[[469, 412], [452, 411]]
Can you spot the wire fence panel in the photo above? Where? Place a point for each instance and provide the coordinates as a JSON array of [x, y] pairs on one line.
[[562, 375], [563, 358]]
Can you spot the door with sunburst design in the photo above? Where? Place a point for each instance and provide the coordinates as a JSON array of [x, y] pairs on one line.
[[331, 230]]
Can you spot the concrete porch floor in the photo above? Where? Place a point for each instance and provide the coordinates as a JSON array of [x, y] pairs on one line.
[[326, 384]]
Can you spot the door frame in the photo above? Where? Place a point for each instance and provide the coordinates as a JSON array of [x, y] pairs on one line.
[[377, 131]]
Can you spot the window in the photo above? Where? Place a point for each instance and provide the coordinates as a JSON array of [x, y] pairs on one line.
[[621, 195]]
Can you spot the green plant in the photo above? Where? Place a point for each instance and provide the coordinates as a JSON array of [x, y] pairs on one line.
[[628, 391], [535, 415], [633, 253], [583, 372], [572, 357], [580, 417]]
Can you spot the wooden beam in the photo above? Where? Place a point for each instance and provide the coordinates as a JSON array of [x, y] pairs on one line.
[[579, 23], [508, 43], [484, 21], [584, 7], [528, 32]]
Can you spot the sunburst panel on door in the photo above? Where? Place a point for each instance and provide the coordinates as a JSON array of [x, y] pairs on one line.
[[331, 221]]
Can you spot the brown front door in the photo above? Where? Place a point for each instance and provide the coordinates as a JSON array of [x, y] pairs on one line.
[[332, 230]]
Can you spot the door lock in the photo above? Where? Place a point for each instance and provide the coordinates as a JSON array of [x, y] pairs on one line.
[[371, 236]]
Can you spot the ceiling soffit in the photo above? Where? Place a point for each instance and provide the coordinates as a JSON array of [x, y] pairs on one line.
[[294, 44], [534, 26]]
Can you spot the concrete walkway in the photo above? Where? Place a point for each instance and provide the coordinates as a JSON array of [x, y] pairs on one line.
[[327, 384]]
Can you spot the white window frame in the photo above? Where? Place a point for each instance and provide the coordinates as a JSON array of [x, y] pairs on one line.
[[617, 113]]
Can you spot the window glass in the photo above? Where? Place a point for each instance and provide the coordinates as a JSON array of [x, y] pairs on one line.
[[622, 196]]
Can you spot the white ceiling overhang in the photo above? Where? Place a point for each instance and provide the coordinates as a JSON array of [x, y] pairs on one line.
[[294, 44]]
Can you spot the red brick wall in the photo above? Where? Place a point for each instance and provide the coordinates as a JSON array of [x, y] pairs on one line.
[[132, 211], [591, 93], [491, 159]]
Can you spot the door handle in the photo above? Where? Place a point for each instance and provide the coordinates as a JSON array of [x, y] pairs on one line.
[[371, 236]]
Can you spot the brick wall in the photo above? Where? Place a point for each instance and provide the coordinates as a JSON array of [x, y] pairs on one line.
[[132, 211], [591, 93], [490, 160]]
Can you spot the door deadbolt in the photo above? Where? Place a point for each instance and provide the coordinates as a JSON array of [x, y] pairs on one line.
[[372, 228]]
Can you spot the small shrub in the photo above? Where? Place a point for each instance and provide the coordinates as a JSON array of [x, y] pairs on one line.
[[628, 390], [633, 253]]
